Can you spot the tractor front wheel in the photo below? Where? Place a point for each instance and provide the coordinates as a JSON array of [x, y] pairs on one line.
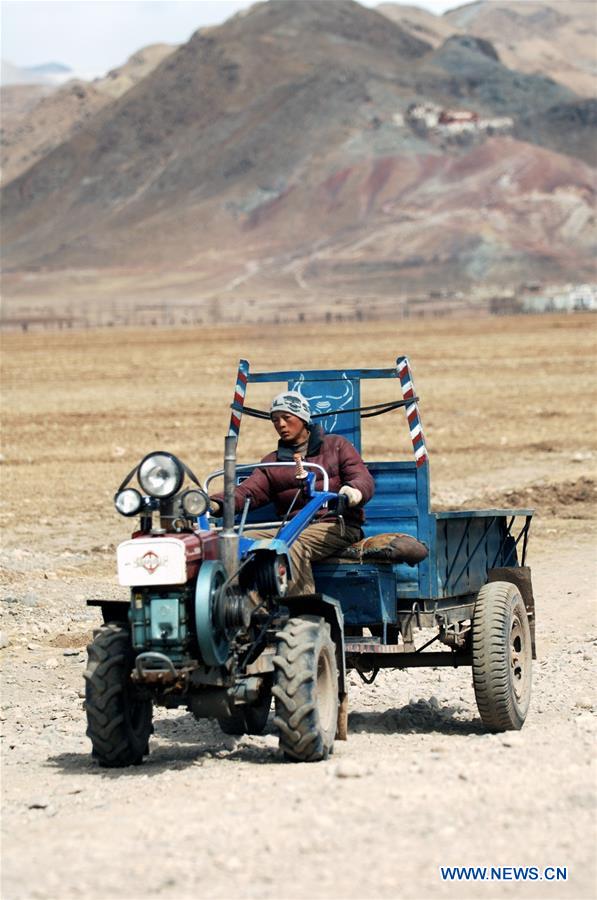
[[118, 716], [502, 655], [306, 689]]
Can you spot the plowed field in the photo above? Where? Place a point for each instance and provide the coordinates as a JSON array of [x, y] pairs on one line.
[[508, 409]]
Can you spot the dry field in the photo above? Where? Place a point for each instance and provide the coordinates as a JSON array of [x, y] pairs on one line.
[[508, 408], [507, 405]]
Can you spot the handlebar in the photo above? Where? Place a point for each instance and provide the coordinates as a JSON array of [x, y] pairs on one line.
[[271, 465]]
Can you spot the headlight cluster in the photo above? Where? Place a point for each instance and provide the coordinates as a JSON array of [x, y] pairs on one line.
[[161, 476]]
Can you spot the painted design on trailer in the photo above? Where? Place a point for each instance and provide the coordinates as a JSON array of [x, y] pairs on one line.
[[322, 403]]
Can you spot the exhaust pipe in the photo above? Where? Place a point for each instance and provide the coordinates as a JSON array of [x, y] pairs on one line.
[[228, 541]]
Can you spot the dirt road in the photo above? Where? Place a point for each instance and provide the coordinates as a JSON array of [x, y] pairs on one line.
[[417, 785]]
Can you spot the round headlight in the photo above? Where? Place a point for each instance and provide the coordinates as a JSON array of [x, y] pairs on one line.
[[160, 475], [128, 502], [194, 503]]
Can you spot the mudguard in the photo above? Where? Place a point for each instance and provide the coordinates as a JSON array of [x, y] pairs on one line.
[[112, 610]]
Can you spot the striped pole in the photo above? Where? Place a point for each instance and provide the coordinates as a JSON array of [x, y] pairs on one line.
[[239, 398], [412, 411]]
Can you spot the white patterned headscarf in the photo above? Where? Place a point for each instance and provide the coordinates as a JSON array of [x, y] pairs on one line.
[[291, 402]]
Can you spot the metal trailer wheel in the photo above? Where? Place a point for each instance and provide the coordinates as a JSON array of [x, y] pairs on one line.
[[502, 656], [118, 716], [249, 719], [306, 689]]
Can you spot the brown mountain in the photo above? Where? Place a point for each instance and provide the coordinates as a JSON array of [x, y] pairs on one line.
[[554, 38], [17, 101], [121, 79], [282, 149], [36, 119], [55, 117], [550, 37], [420, 23]]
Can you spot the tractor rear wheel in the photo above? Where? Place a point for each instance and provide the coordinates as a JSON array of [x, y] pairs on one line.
[[502, 656], [249, 719], [306, 689], [118, 716]]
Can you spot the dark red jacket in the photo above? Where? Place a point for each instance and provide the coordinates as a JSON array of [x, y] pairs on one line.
[[279, 486]]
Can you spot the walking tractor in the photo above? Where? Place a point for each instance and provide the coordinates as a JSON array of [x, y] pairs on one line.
[[211, 627]]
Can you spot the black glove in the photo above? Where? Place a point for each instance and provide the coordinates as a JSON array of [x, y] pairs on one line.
[[340, 505]]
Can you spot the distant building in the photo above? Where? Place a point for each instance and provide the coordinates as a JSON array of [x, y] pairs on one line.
[[457, 116], [429, 117], [425, 114], [570, 298], [497, 125], [584, 297]]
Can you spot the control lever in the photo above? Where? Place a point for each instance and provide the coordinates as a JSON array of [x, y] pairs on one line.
[[301, 475], [338, 507]]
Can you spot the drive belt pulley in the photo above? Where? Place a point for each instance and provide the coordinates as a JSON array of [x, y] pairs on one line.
[[267, 573], [220, 611]]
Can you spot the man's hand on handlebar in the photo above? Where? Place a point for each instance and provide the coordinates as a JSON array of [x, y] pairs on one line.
[[216, 508], [353, 495]]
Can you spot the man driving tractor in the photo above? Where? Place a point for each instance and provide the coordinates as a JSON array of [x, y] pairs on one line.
[[348, 476]]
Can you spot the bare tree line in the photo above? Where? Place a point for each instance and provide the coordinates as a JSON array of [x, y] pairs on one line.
[[175, 316]]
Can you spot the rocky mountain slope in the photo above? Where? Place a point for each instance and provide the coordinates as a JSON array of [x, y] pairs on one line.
[[36, 119], [315, 144], [548, 37]]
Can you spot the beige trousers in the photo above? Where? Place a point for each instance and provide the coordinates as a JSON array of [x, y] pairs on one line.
[[316, 542]]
